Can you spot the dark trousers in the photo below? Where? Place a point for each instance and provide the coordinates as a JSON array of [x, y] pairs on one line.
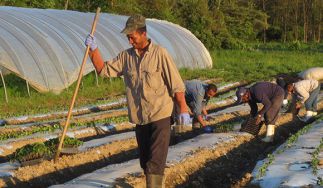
[[311, 102], [153, 141], [271, 115]]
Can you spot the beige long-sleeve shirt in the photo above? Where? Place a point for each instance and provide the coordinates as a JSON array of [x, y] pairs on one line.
[[315, 73], [303, 88], [151, 82]]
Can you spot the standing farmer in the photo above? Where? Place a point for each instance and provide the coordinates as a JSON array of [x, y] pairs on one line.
[[271, 96], [306, 91], [197, 95], [152, 85]]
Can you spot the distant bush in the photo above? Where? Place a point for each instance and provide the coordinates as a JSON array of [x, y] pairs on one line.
[[274, 34], [289, 46], [296, 45]]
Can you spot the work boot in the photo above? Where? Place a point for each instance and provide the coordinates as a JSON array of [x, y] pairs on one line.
[[154, 181], [269, 134], [308, 116]]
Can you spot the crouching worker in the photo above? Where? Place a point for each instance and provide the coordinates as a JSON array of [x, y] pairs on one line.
[[283, 80], [305, 91], [271, 96], [152, 84], [197, 95], [314, 73]]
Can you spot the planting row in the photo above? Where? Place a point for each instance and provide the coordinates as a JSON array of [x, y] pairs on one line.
[[296, 163], [90, 109], [124, 140], [87, 122]]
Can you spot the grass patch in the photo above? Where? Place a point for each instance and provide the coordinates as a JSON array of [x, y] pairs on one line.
[[237, 65], [21, 104]]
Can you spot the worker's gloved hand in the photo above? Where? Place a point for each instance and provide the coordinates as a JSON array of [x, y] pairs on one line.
[[285, 102], [206, 117], [90, 41], [184, 118], [207, 129], [258, 119]]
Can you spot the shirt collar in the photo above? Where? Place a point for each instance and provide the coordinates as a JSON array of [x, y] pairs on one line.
[[148, 48]]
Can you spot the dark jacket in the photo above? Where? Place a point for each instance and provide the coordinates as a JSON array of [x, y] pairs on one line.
[[263, 92]]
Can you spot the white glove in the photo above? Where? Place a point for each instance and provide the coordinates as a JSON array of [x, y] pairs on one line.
[[91, 41], [285, 101]]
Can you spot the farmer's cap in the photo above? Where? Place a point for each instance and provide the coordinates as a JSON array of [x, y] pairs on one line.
[[133, 23], [240, 93]]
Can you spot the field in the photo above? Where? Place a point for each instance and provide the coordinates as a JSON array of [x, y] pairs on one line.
[[228, 66], [108, 155]]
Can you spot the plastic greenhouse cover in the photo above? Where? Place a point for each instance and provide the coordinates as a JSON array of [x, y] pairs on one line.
[[46, 47]]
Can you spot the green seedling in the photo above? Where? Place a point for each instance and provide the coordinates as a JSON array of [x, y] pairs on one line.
[[315, 157], [68, 142], [262, 170], [31, 152]]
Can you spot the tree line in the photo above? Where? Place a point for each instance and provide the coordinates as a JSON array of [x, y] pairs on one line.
[[217, 23]]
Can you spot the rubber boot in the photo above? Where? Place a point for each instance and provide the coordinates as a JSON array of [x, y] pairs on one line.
[[154, 181], [269, 134], [308, 116]]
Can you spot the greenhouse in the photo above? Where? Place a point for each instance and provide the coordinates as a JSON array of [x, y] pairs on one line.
[[45, 46]]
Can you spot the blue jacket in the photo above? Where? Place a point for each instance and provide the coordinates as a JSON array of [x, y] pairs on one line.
[[195, 96]]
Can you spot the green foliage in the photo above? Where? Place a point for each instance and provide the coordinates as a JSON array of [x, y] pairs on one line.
[[31, 151], [52, 128], [195, 16], [217, 23], [33, 130], [319, 181], [225, 127], [21, 104], [315, 157], [42, 150], [52, 144], [30, 3], [260, 62], [262, 170], [254, 65], [292, 139]]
